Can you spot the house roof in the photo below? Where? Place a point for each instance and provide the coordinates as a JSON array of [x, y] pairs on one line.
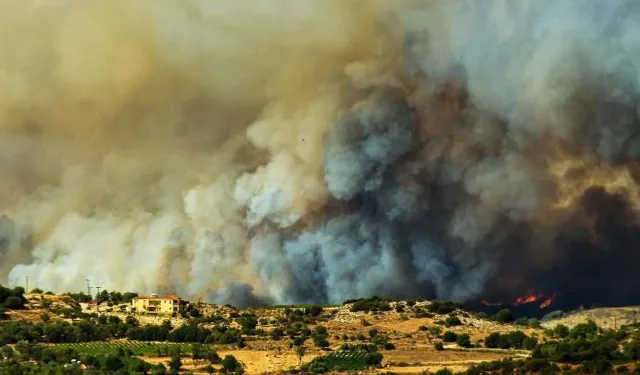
[[170, 297]]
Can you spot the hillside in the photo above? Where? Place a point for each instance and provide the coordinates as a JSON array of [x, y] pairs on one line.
[[406, 333], [608, 317], [370, 335]]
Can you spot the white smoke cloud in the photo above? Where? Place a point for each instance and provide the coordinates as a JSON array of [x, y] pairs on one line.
[[285, 151]]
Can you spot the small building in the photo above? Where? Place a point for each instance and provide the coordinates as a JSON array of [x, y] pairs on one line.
[[158, 305]]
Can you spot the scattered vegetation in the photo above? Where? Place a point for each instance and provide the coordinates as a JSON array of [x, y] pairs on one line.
[[343, 361], [374, 303], [12, 299]]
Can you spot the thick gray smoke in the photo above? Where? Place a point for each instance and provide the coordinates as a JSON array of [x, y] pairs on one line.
[[284, 151]]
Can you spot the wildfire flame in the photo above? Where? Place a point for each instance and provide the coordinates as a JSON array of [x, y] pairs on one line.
[[531, 297], [548, 301]]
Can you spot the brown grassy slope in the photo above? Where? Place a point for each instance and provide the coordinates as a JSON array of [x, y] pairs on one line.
[[414, 351], [608, 317], [34, 307]]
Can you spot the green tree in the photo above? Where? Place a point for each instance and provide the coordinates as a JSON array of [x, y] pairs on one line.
[[300, 351], [175, 364], [493, 340], [113, 363], [160, 369], [197, 351]]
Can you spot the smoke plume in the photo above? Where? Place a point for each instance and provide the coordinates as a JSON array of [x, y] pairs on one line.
[[281, 152]]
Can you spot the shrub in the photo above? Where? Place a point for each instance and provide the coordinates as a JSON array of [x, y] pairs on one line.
[[438, 345], [561, 331], [435, 330], [14, 303], [452, 321], [449, 337], [314, 310], [444, 371], [388, 346], [553, 315], [463, 341], [373, 359], [231, 365], [443, 307], [504, 316]]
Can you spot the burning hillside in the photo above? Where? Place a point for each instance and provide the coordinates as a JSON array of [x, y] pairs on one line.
[[323, 150]]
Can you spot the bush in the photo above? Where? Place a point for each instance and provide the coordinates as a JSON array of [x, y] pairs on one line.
[[231, 365], [388, 346], [493, 340], [452, 321], [435, 330], [504, 316], [13, 303], [443, 307], [463, 341], [438, 345], [561, 331], [449, 337], [314, 310], [444, 371], [373, 359]]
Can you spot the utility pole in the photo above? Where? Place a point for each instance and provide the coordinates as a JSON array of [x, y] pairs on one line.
[[96, 299], [27, 290], [88, 288]]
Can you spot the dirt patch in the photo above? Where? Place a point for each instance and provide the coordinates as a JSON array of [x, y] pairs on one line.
[[425, 354], [254, 361]]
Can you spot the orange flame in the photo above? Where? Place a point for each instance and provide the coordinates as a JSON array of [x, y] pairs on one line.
[[548, 301], [530, 297]]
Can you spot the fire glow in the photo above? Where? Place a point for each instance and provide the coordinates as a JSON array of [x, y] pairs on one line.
[[531, 297]]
